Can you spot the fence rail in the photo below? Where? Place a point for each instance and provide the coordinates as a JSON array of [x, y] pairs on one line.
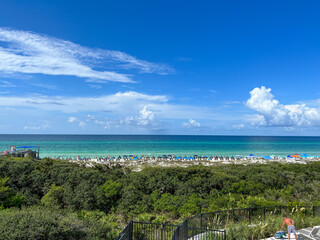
[[218, 219], [205, 226]]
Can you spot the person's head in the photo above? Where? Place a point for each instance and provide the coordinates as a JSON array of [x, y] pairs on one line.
[[284, 216]]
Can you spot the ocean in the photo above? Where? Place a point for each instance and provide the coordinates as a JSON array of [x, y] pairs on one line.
[[155, 145]]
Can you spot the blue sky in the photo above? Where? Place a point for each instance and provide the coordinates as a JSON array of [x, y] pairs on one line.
[[160, 67]]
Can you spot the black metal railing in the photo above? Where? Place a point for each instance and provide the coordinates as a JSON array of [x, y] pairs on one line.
[[152, 231], [157, 231], [183, 232], [205, 226], [218, 219], [126, 233]]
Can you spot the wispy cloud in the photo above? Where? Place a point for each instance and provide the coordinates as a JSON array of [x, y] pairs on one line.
[[42, 126], [95, 86], [5, 92], [47, 86], [6, 84], [183, 59], [31, 53], [120, 104]]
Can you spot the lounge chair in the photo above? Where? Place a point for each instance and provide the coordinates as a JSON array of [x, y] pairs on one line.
[[306, 235]]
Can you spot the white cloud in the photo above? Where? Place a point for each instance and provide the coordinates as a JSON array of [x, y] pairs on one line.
[[121, 102], [31, 53], [95, 86], [272, 113], [191, 124], [146, 118], [5, 92], [76, 120], [238, 126], [6, 84], [114, 106], [82, 124], [72, 119], [43, 126]]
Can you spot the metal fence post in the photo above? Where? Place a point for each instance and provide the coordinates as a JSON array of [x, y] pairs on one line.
[[233, 216], [313, 211], [264, 213], [280, 209], [201, 220], [249, 215], [161, 231], [305, 213], [131, 230], [187, 228]]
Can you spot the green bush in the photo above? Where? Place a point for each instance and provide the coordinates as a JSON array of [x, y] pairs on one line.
[[40, 223], [112, 197], [54, 197]]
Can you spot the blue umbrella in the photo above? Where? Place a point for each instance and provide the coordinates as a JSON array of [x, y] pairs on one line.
[[267, 157], [27, 147]]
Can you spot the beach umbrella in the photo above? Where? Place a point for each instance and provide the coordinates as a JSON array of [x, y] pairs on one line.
[[295, 156], [251, 155], [190, 158], [178, 157], [304, 155], [267, 157]]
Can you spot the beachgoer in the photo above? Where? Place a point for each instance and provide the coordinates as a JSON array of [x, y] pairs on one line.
[[289, 222], [6, 152]]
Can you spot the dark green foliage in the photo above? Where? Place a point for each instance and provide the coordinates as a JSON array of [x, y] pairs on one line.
[[54, 197], [94, 194], [109, 194], [40, 223], [8, 198], [51, 224]]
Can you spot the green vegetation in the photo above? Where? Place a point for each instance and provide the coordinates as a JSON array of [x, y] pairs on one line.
[[51, 199], [267, 228]]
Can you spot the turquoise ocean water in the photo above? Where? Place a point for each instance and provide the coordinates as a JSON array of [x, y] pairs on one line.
[[114, 145]]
